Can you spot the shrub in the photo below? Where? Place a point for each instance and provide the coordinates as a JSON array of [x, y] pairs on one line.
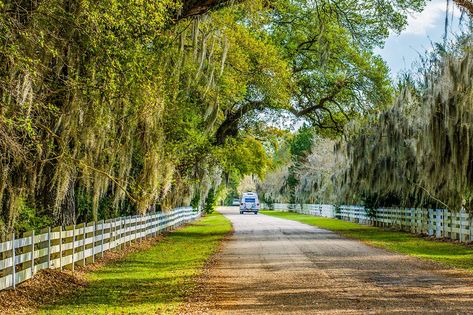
[[210, 202]]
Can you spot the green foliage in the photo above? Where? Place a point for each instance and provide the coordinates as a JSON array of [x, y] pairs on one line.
[[110, 107], [332, 58], [30, 219], [301, 143], [195, 202], [244, 157], [210, 202]]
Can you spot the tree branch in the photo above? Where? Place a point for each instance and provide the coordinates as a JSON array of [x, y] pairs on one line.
[[329, 98], [198, 7], [467, 5], [229, 127]]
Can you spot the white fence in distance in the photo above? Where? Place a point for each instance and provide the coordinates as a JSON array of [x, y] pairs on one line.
[[80, 244], [439, 223], [320, 210]]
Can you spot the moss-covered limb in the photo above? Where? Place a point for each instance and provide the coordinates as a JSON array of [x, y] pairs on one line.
[[155, 281], [418, 152], [449, 254]]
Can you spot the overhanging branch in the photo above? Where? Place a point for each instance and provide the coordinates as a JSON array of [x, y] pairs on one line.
[[199, 7], [321, 103], [467, 5]]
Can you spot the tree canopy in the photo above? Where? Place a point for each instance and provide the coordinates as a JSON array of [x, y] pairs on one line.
[[111, 107]]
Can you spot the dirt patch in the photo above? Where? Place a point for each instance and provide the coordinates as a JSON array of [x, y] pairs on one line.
[[51, 285], [47, 286]]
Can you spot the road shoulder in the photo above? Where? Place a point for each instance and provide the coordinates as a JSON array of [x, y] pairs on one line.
[[447, 254]]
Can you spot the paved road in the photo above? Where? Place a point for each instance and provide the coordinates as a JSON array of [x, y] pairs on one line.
[[276, 266]]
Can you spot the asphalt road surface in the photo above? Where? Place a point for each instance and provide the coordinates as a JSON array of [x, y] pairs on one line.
[[276, 266]]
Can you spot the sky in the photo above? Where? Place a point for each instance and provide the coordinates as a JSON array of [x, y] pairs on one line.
[[401, 50]]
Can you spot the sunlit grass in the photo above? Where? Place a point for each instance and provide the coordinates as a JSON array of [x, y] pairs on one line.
[[155, 281], [450, 254]]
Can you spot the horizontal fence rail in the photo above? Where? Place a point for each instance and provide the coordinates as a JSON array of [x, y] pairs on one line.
[[66, 247], [439, 223]]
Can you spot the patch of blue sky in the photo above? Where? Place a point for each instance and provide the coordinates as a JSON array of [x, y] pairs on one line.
[[402, 50]]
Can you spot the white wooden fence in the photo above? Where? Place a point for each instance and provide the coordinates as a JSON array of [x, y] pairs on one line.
[[80, 244], [438, 223], [320, 210]]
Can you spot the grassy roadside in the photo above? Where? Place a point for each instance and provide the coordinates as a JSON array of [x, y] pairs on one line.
[[450, 254], [155, 281]]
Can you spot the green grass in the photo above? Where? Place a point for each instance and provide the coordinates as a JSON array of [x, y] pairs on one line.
[[449, 254], [154, 281]]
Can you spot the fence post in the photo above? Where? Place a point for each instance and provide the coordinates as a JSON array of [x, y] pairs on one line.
[[403, 219], [32, 253], [73, 245], [430, 225], [49, 247], [421, 224], [121, 234], [137, 224], [102, 226], [84, 237], [130, 230], [461, 225], [437, 223], [451, 224], [407, 220], [140, 235], [118, 232], [114, 233], [93, 241], [155, 224], [134, 228], [469, 225], [144, 229], [123, 220], [13, 273], [443, 223], [145, 232], [60, 248], [124, 231]]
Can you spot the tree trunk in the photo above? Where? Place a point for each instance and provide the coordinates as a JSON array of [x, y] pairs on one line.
[[68, 206]]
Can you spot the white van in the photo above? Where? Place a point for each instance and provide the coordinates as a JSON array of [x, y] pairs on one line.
[[249, 203]]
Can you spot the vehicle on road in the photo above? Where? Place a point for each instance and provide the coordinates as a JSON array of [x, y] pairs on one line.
[[235, 202], [249, 203]]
